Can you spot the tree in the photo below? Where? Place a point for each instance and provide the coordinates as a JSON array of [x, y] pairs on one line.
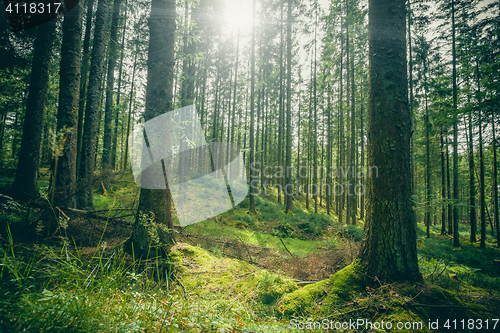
[[156, 204], [83, 80], [67, 113], [24, 186], [288, 162], [108, 111], [389, 248], [92, 116], [456, 236], [252, 116]]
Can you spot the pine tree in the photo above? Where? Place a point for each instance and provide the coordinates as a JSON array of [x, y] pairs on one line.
[[92, 115], [24, 186], [159, 97], [389, 255], [67, 113]]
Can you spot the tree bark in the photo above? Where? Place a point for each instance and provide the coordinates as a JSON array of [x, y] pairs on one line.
[[253, 178], [83, 81], [456, 236], [114, 143], [67, 114], [159, 96], [389, 249], [288, 161], [472, 185], [24, 186], [495, 180], [108, 110], [443, 188], [92, 115]]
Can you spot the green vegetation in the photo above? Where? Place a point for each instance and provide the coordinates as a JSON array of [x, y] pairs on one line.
[[57, 286]]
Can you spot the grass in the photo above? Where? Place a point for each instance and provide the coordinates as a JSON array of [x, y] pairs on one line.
[[60, 287], [67, 290], [297, 246]]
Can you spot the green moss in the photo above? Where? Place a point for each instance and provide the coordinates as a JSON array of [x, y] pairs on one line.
[[302, 301], [346, 283], [339, 288], [272, 286], [405, 317]]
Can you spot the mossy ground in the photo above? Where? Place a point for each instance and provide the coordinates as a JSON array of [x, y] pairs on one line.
[[238, 272]]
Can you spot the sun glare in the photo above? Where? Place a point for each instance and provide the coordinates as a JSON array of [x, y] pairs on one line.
[[238, 15]]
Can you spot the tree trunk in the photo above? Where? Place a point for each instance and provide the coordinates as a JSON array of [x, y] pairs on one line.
[[118, 95], [443, 188], [472, 185], [315, 123], [280, 115], [108, 110], [456, 236], [253, 178], [389, 248], [24, 186], [83, 81], [340, 169], [67, 114], [362, 180], [353, 146], [448, 180], [427, 159], [495, 180], [92, 115], [288, 162], [159, 96], [125, 158]]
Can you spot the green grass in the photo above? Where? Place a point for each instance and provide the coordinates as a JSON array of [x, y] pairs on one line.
[[67, 290], [296, 246], [61, 288]]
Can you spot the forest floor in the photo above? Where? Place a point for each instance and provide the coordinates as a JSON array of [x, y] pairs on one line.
[[237, 272]]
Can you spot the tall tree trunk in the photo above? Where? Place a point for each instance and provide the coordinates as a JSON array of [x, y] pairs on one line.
[[456, 236], [298, 174], [309, 137], [362, 180], [83, 81], [235, 85], [348, 119], [288, 162], [253, 178], [389, 248], [125, 158], [443, 188], [108, 111], [427, 159], [448, 185], [24, 186], [495, 180], [410, 63], [340, 169], [92, 114], [118, 94], [159, 96], [329, 150], [67, 114], [315, 136], [482, 199], [472, 185], [280, 110], [353, 146]]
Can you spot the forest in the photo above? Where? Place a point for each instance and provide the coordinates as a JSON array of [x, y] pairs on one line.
[[249, 166]]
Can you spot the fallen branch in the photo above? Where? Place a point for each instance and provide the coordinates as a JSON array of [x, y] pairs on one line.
[[293, 256], [85, 213]]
